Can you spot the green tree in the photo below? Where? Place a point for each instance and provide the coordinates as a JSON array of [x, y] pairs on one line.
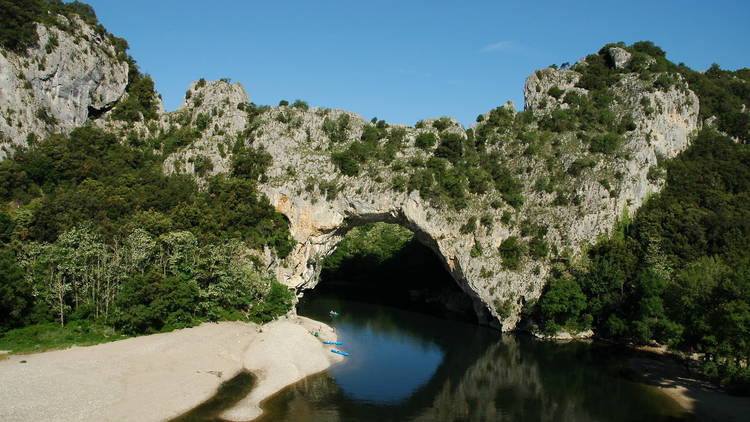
[[512, 251], [562, 306]]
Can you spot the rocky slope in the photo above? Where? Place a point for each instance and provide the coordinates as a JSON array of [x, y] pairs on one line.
[[79, 78], [56, 85], [322, 204]]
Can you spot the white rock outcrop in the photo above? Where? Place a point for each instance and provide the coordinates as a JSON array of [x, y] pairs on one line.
[[52, 87], [321, 203], [620, 57]]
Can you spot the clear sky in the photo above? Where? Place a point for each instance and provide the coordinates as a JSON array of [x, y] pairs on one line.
[[406, 60]]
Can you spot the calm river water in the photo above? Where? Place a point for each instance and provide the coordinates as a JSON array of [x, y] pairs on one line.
[[407, 366]]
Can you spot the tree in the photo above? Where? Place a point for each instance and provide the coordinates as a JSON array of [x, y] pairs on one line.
[[425, 140], [16, 296], [19, 18], [302, 105], [251, 163], [451, 147], [562, 305], [512, 250]]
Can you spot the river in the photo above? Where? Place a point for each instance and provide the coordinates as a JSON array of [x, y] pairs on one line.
[[408, 366]]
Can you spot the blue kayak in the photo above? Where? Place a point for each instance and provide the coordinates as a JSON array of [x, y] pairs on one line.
[[339, 352], [338, 343]]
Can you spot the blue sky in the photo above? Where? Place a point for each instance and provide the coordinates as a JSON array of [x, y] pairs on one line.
[[406, 60]]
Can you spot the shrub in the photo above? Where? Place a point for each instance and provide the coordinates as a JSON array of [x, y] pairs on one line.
[[555, 92], [538, 248], [336, 129], [425, 140], [608, 143], [442, 123], [141, 101], [202, 121], [580, 164], [399, 183], [275, 304], [250, 163], [512, 250], [202, 165], [346, 163], [561, 306], [470, 226], [451, 147], [302, 105]]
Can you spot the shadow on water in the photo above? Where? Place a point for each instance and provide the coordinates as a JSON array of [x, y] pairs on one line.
[[482, 376], [230, 392], [479, 375]]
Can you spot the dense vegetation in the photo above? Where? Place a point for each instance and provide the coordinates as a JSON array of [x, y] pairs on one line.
[[19, 18], [141, 101], [452, 165], [93, 231], [679, 272]]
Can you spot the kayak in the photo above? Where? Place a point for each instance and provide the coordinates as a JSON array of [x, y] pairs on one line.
[[339, 352], [333, 342], [333, 314]]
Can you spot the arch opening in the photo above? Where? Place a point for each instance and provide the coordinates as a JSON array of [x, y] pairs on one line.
[[388, 264]]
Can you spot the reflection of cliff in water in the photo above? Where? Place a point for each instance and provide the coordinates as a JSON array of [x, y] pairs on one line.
[[512, 379]]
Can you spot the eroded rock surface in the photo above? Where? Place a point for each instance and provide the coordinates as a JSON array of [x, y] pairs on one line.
[[54, 86], [321, 203]]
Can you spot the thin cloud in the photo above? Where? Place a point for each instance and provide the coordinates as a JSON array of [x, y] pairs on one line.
[[498, 46]]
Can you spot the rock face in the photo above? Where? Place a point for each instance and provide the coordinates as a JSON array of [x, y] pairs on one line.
[[620, 57], [54, 86], [220, 102], [322, 204]]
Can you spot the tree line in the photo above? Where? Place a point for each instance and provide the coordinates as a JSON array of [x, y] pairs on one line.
[[94, 232]]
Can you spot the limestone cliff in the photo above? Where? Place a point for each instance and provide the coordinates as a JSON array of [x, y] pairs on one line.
[[56, 85], [322, 204]]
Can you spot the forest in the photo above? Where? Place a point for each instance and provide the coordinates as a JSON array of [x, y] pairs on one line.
[[95, 234], [678, 271]]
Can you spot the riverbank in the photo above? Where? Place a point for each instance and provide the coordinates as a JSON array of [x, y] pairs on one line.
[[170, 372], [699, 397]]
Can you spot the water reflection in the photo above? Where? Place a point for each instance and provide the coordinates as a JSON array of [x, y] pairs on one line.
[[412, 367], [383, 359]]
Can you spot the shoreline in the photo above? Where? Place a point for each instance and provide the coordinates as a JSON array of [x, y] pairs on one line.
[[701, 399], [173, 372], [661, 369]]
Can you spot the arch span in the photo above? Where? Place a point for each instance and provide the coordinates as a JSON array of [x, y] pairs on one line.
[[318, 227], [386, 263], [566, 204]]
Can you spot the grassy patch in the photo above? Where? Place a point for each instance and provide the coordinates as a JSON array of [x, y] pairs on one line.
[[41, 337]]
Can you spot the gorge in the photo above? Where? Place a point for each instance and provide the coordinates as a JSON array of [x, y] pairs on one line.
[[613, 204]]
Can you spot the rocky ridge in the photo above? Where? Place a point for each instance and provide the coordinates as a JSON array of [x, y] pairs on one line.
[[321, 204], [80, 75], [56, 85]]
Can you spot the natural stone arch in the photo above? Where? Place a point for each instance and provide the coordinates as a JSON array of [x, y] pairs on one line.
[[401, 218], [319, 201]]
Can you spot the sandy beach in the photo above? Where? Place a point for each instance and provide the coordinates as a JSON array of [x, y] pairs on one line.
[[158, 377], [701, 398]]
